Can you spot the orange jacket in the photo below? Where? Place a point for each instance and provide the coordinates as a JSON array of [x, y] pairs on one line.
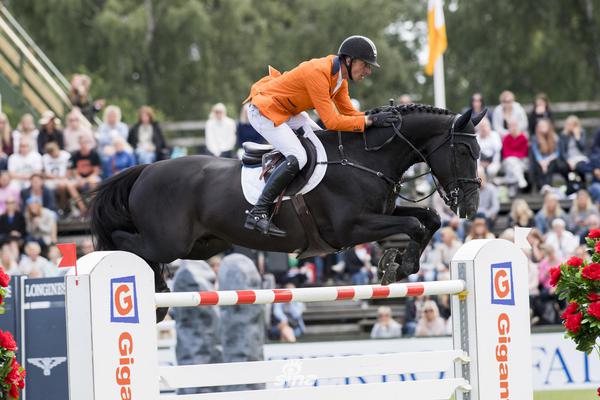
[[311, 84]]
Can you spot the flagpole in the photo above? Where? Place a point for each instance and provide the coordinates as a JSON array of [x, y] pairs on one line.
[[439, 86]]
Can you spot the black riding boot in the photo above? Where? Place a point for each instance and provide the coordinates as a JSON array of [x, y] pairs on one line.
[[259, 217]]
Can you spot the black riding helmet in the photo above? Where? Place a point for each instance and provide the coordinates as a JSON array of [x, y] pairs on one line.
[[359, 47]]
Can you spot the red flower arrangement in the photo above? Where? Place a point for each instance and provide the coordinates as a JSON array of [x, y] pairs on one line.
[[12, 374]]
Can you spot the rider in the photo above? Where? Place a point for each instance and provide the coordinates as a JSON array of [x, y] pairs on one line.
[[278, 103]]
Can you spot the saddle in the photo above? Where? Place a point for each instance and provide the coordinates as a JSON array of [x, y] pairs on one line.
[[264, 156]]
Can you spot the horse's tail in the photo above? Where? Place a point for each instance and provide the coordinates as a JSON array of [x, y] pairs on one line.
[[109, 208]]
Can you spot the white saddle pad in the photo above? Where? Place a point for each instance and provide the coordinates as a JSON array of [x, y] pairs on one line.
[[252, 185]]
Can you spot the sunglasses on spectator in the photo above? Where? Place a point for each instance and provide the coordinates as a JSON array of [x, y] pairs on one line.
[[428, 310]]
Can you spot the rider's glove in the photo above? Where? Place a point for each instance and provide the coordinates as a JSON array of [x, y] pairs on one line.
[[384, 119]]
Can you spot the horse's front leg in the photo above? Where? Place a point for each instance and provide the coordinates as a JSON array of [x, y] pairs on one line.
[[396, 265]]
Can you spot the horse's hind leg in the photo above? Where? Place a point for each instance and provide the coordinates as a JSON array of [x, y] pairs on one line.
[[152, 250]]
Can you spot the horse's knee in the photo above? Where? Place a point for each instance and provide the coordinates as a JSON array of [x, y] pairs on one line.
[[417, 231]]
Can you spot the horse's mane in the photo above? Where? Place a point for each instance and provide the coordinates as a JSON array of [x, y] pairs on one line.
[[415, 107]]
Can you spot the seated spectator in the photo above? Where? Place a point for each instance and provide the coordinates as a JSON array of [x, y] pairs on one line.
[[76, 129], [591, 222], [491, 148], [41, 223], [536, 240], [541, 110], [385, 327], [563, 241], [489, 205], [56, 167], [49, 132], [573, 149], [548, 307], [26, 131], [146, 138], [594, 167], [549, 211], [430, 323], [220, 132], [87, 246], [34, 265], [12, 222], [111, 128], [507, 110], [478, 105], [547, 158], [120, 160], [358, 264], [6, 147], [520, 214], [515, 160], [8, 260], [38, 191], [80, 98], [479, 229], [445, 250], [581, 208], [24, 164], [85, 166], [287, 323], [7, 190], [447, 216], [245, 131]]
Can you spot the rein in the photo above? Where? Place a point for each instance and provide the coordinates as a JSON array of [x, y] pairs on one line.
[[451, 198]]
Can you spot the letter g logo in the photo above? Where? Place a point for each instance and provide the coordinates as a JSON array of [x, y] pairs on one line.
[[502, 284], [123, 300]]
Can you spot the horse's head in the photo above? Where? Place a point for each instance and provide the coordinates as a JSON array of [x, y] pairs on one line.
[[453, 161]]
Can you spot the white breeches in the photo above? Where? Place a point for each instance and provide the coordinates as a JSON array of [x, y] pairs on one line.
[[282, 137]]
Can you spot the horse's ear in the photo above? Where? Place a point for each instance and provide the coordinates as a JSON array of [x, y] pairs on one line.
[[463, 120], [477, 119]]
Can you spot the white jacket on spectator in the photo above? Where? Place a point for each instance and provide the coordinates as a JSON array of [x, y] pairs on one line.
[[220, 135], [518, 113]]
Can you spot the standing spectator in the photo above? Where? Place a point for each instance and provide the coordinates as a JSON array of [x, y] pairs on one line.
[[24, 164], [120, 160], [41, 224], [85, 166], [386, 327], [49, 131], [146, 138], [7, 190], [245, 131], [56, 167], [220, 132], [507, 110], [111, 128], [581, 208], [34, 265], [38, 191], [563, 241], [547, 158], [479, 229], [6, 147], [520, 214], [26, 131], [550, 210], [541, 110], [80, 98], [572, 149], [75, 130], [515, 160], [489, 205], [491, 148], [430, 323], [12, 222]]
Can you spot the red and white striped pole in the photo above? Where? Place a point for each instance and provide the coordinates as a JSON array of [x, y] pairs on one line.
[[306, 295]]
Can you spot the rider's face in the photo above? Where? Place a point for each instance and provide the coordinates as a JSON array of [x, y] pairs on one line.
[[360, 70]]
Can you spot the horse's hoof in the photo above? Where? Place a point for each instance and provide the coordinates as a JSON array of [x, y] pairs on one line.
[[161, 313], [388, 258], [389, 274]]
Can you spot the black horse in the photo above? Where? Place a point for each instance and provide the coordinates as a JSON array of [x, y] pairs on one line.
[[193, 207]]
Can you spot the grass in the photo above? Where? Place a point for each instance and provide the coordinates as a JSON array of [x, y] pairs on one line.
[[567, 395]]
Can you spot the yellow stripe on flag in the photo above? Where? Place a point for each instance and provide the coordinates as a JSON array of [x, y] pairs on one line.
[[436, 33]]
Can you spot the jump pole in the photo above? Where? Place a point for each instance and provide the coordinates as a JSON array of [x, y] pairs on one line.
[[112, 344]]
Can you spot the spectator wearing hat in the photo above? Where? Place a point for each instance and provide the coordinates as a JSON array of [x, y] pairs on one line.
[[77, 127], [7, 190], [12, 222], [24, 163], [85, 168], [49, 131], [220, 132], [25, 131], [111, 128], [146, 139], [41, 223], [386, 327], [120, 160], [38, 191]]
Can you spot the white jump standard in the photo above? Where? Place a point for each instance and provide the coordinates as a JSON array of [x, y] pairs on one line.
[[112, 344]]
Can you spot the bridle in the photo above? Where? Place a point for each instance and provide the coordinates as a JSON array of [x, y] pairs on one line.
[[451, 197]]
